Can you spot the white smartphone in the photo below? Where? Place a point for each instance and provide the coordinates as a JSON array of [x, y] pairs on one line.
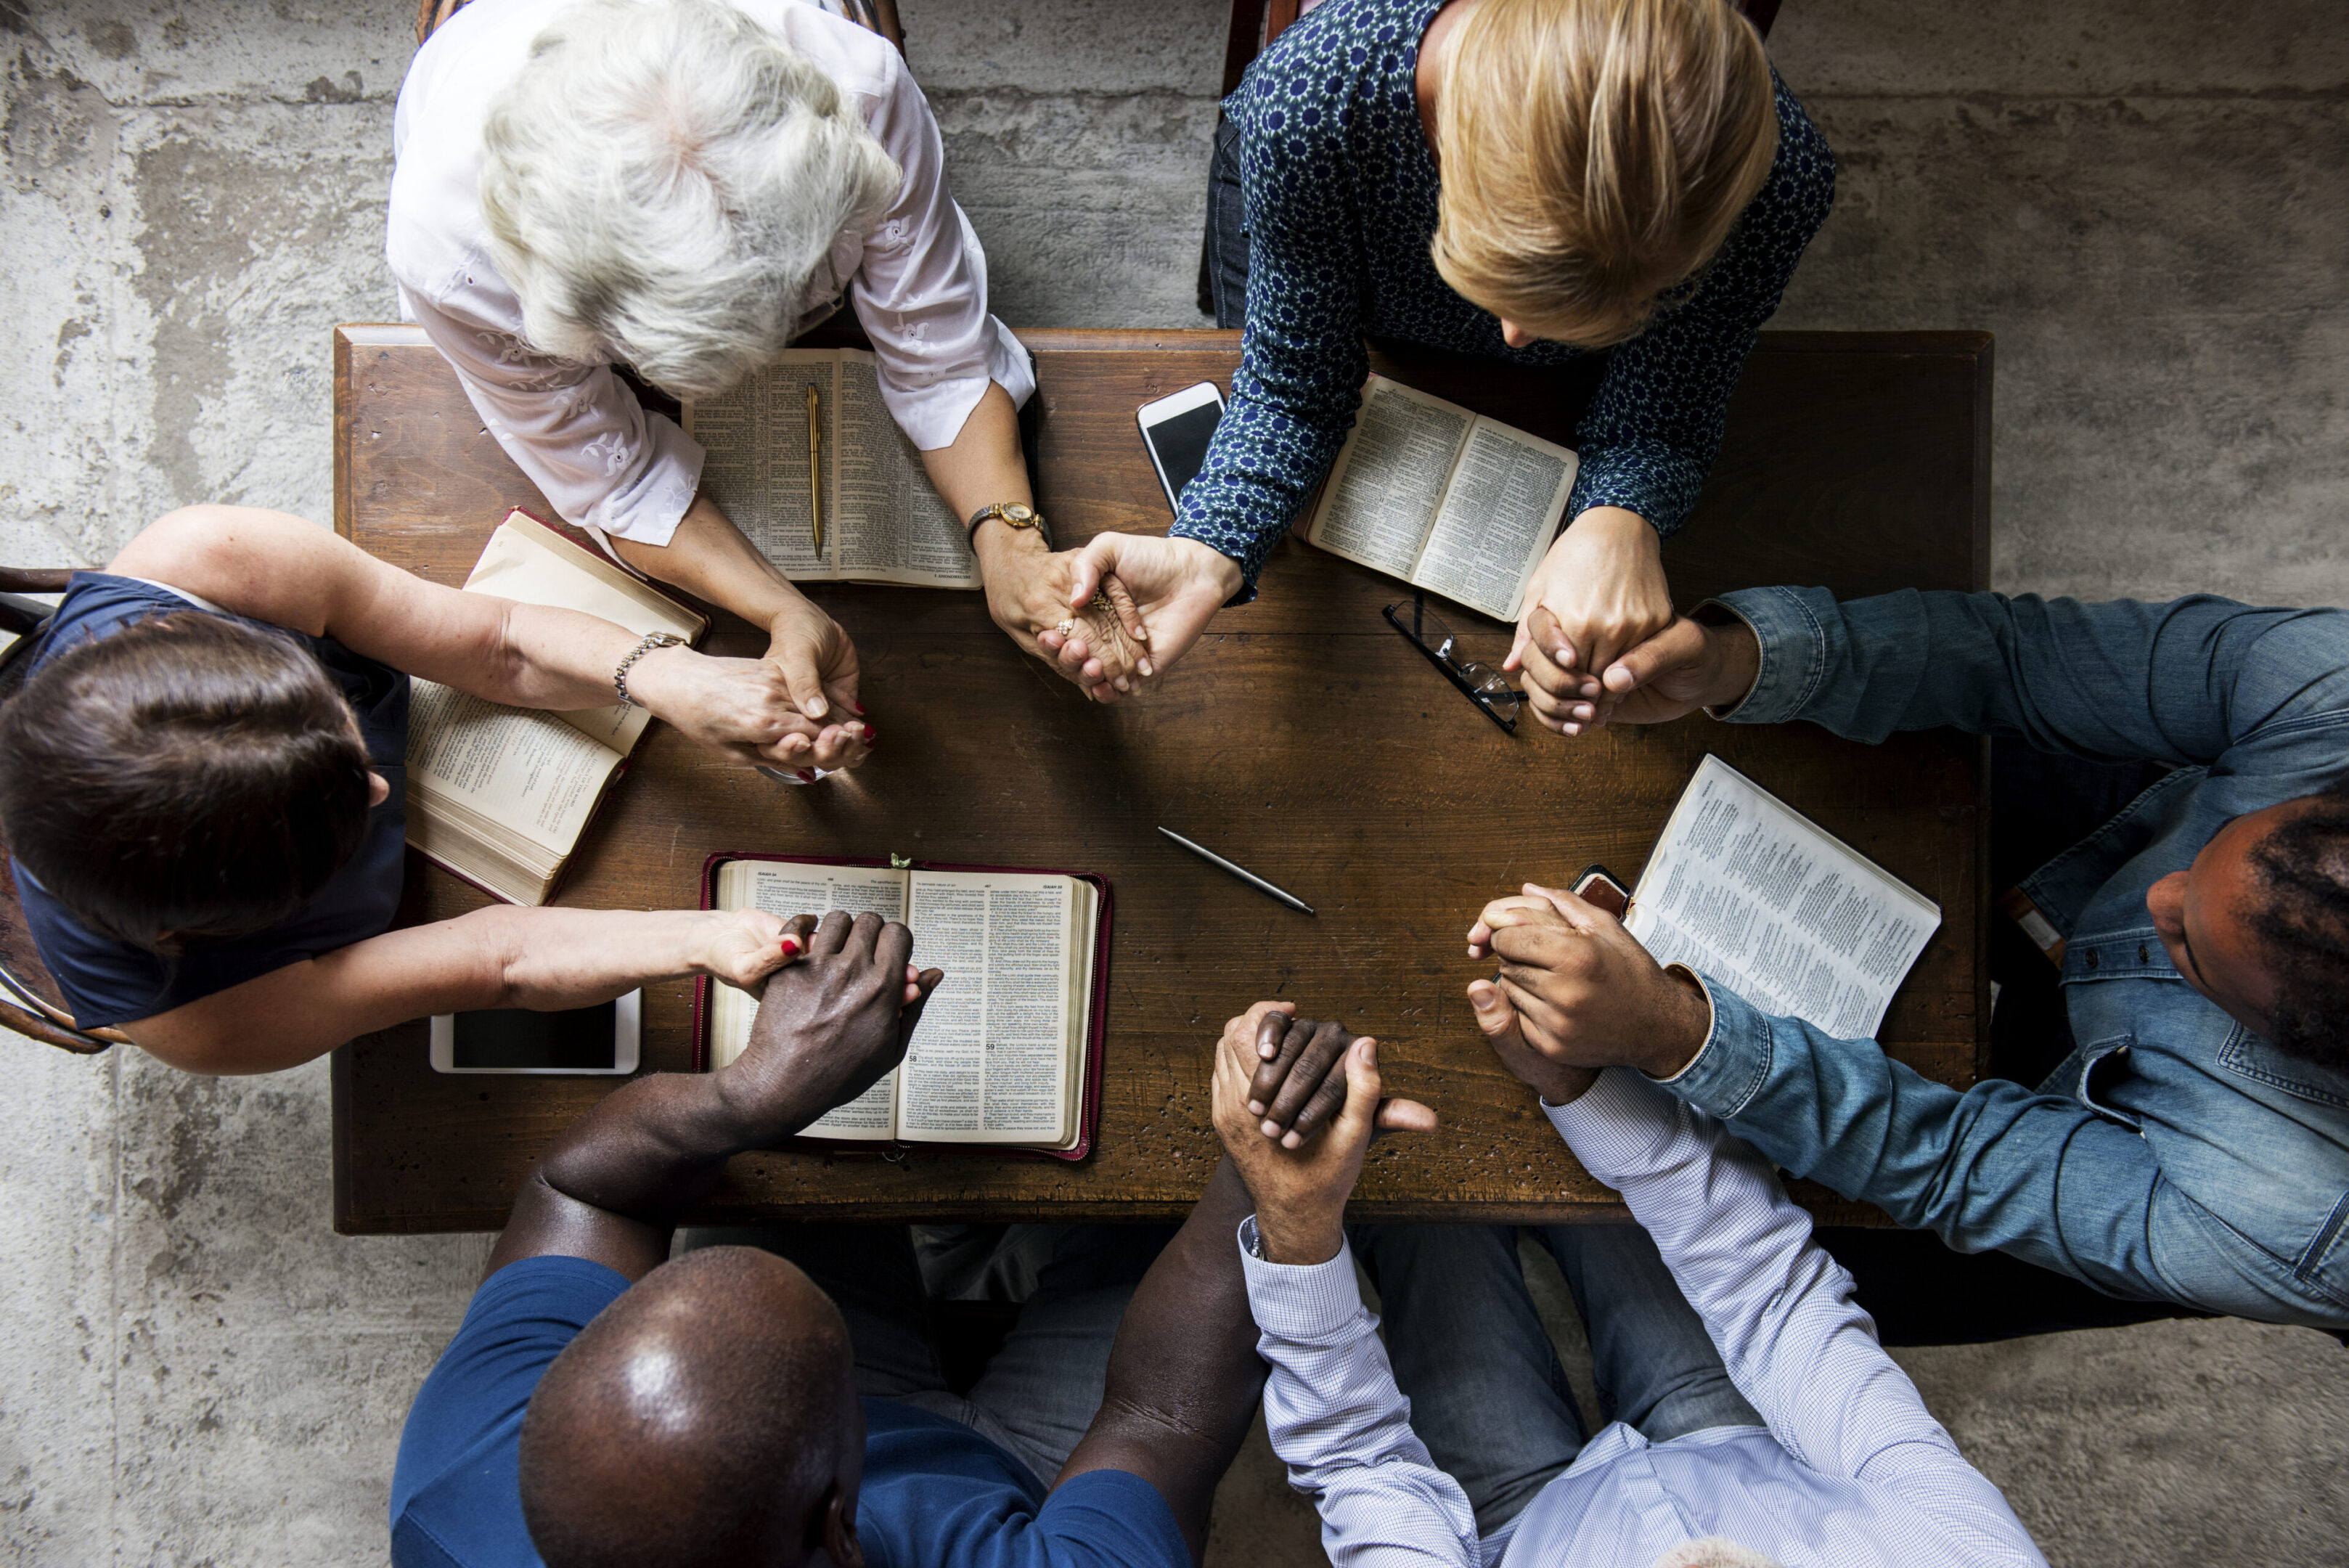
[[600, 1039], [1176, 429]]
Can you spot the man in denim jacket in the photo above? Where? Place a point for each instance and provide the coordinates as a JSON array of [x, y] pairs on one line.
[[2194, 1147]]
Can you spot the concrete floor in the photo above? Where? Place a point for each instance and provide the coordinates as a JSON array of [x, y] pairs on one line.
[[2144, 199]]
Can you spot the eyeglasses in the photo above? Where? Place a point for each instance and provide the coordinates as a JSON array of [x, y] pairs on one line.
[[1478, 681]]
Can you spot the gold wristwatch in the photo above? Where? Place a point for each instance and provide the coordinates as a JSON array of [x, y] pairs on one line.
[[1014, 516]]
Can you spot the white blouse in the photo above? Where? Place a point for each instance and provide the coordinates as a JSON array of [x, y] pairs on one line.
[[917, 278]]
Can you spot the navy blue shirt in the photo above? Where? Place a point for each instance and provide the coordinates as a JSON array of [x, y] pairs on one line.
[[936, 1494], [1340, 194], [107, 982]]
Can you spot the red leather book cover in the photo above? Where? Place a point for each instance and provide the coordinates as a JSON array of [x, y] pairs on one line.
[[1097, 1004]]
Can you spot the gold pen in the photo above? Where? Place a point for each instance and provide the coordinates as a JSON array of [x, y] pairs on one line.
[[815, 466]]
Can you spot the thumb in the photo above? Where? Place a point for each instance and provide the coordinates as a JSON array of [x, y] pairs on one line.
[[802, 679], [1363, 1083], [1517, 660], [1494, 1016], [1678, 644], [1404, 1116], [1094, 562]]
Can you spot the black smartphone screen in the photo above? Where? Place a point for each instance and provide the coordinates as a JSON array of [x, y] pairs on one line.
[[576, 1040], [1180, 444]]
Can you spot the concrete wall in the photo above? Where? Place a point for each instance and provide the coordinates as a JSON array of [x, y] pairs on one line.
[[2143, 200]]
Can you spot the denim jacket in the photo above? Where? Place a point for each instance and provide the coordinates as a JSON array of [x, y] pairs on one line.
[[2201, 1164]]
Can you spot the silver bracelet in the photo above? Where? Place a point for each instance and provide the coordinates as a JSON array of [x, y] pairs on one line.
[[652, 640]]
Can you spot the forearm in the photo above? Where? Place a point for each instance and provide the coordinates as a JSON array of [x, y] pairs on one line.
[[613, 1184], [2117, 681], [709, 558], [1984, 1170], [983, 465], [1184, 1376]]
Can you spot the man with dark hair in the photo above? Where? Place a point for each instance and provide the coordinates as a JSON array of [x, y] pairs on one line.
[[2191, 1145], [603, 1405]]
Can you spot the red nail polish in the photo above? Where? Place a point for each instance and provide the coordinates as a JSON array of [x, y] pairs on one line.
[[805, 775], [790, 946], [860, 708]]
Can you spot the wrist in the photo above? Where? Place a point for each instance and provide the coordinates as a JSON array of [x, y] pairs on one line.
[[997, 543], [1686, 1026], [1213, 567], [657, 678], [1734, 653], [1297, 1240]]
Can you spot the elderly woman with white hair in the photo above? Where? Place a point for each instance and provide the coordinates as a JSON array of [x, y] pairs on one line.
[[682, 187]]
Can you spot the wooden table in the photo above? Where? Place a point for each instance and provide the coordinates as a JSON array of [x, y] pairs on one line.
[[1302, 737]]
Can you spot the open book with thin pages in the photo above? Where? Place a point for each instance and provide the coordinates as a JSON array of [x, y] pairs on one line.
[[499, 795], [1449, 501], [883, 521], [1748, 890], [1008, 1056]]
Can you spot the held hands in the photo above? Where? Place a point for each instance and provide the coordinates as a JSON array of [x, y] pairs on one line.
[[1031, 592], [1582, 994], [1271, 1070], [830, 1025], [1600, 592], [747, 710], [1174, 587], [818, 664]]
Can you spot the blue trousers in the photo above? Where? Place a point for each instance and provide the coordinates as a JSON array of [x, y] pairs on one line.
[[1488, 1395]]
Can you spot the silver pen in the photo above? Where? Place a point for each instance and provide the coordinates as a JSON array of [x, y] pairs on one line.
[[1242, 872]]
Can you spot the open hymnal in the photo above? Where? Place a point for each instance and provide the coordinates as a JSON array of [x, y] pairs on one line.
[[1746, 889], [1008, 1045], [883, 522], [499, 795], [1447, 500]]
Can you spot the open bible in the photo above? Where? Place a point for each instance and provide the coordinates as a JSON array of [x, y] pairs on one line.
[[883, 522], [1007, 1053], [501, 795], [1447, 500], [1745, 888]]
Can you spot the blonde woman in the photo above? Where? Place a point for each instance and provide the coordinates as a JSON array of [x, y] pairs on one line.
[[1531, 180]]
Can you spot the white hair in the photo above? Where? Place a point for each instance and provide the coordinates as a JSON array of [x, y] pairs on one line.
[[1714, 1551], [662, 181]]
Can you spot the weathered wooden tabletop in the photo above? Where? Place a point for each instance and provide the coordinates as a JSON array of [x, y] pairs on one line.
[[1302, 738]]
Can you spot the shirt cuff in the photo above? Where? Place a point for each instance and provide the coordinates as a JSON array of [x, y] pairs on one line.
[[1728, 1070], [1299, 1300], [1793, 654], [648, 510], [1659, 482], [933, 415]]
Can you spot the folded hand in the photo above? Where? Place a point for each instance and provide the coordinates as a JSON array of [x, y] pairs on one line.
[[1600, 591], [1167, 591], [1585, 993]]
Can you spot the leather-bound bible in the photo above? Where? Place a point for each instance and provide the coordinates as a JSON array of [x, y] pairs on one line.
[[1008, 1056]]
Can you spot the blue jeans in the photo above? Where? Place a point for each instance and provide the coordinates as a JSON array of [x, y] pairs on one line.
[[1041, 1391], [1488, 1395]]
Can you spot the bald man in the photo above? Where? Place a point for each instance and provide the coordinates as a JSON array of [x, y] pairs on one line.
[[603, 1405]]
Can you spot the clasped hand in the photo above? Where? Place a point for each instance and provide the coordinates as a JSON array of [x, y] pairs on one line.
[[1280, 1080], [792, 708], [1576, 992], [832, 1020], [1162, 592]]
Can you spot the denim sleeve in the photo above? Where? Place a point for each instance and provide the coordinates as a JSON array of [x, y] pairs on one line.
[[1302, 362], [2192, 681], [1997, 1166], [1650, 435]]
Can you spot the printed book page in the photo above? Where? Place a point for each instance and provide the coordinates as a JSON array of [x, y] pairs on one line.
[[530, 563], [894, 526], [529, 772], [1507, 494], [756, 467], [785, 888], [1750, 892], [1389, 480], [993, 1060]]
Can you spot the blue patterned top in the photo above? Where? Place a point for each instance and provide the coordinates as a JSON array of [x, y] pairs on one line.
[[1340, 200]]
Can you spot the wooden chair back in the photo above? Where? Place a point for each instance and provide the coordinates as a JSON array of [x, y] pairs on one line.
[[30, 1001]]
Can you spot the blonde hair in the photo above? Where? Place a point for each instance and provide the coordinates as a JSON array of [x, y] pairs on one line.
[[1594, 153]]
